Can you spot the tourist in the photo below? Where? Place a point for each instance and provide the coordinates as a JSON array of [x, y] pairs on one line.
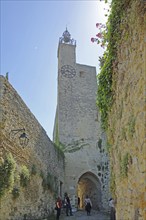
[[78, 202], [58, 207], [68, 205], [113, 210], [88, 205]]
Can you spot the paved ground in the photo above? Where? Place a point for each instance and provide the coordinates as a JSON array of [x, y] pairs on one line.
[[81, 215]]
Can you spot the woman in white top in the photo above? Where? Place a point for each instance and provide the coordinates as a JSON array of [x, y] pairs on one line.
[[88, 205]]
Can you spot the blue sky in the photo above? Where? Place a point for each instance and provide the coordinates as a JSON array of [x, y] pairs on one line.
[[30, 32]]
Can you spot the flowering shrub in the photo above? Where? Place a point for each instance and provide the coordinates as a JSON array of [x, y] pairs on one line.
[[100, 36], [108, 37]]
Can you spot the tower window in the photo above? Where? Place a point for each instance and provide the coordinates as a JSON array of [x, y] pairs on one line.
[[81, 73]]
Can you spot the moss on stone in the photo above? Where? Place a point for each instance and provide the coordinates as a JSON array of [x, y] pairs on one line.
[[7, 170]]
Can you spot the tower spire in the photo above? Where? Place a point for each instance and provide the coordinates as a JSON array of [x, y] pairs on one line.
[[66, 38]]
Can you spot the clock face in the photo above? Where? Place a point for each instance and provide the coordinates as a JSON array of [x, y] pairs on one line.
[[68, 71]]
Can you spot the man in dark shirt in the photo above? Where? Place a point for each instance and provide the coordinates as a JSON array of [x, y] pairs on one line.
[[68, 205]]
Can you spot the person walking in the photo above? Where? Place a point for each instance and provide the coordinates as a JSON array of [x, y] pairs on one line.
[[68, 205], [78, 202], [58, 207], [88, 205], [113, 210]]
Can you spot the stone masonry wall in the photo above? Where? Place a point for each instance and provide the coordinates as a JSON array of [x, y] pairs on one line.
[[82, 132], [77, 129], [126, 132], [36, 200]]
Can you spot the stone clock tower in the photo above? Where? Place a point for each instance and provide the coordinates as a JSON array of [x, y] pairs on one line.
[[77, 128]]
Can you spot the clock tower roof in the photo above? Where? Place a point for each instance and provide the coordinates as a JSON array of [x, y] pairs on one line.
[[66, 38]]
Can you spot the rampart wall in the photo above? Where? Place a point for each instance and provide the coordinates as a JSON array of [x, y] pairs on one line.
[[126, 133], [39, 166]]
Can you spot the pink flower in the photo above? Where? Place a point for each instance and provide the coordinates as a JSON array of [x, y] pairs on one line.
[[92, 39], [98, 24], [99, 35]]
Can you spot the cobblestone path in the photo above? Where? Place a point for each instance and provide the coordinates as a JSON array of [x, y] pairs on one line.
[[81, 215]]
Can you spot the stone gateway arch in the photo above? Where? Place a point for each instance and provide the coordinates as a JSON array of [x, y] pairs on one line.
[[77, 128], [90, 185]]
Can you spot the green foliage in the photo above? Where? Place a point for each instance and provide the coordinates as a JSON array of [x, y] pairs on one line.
[[108, 147], [124, 165], [50, 183], [59, 151], [56, 132], [62, 146], [24, 176], [131, 125], [58, 145], [7, 75], [15, 193], [7, 169], [104, 92], [112, 183], [105, 80]]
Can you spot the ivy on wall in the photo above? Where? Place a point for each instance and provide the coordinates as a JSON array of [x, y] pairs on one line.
[[112, 182], [50, 182], [7, 170], [24, 176], [56, 131], [124, 163], [11, 180], [58, 145], [111, 37]]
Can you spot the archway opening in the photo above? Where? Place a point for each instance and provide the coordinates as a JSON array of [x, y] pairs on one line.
[[90, 185]]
